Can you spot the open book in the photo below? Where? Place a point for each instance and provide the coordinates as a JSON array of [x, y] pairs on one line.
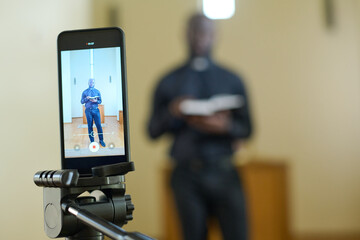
[[207, 107], [94, 97]]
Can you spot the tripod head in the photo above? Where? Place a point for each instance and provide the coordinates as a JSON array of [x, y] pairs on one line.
[[67, 213]]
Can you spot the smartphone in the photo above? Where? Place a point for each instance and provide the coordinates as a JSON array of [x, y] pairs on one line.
[[92, 98]]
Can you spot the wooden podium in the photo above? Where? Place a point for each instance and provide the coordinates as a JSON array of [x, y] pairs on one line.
[[102, 116], [266, 196]]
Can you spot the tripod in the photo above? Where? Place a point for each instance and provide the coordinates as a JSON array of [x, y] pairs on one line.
[[69, 214]]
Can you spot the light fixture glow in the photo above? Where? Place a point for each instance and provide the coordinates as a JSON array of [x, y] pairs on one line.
[[219, 9]]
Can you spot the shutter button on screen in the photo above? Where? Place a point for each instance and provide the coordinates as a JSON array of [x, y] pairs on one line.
[[94, 147]]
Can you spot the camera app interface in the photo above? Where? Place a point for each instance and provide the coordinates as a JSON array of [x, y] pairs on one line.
[[92, 102]]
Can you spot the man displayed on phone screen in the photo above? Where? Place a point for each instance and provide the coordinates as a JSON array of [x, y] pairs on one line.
[[91, 97]]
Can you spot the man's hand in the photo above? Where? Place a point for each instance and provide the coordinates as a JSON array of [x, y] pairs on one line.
[[94, 100], [217, 123], [174, 107], [87, 97]]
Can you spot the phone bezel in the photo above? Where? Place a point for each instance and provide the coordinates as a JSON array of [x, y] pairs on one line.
[[76, 40]]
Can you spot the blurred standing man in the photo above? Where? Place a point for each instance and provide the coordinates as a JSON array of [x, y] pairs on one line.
[[91, 97], [204, 180]]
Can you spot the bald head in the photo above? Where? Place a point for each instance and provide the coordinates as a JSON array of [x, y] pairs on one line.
[[200, 35], [91, 82]]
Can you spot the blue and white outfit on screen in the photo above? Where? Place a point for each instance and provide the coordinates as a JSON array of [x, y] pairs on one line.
[[92, 112]]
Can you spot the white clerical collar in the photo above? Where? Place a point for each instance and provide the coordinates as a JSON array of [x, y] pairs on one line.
[[200, 64]]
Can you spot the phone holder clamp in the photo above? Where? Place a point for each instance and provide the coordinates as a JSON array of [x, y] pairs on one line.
[[69, 213]]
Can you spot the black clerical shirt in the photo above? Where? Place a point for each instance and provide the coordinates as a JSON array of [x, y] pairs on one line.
[[187, 81]]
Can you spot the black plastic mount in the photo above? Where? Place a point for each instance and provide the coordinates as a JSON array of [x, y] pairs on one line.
[[114, 169], [67, 213], [102, 175]]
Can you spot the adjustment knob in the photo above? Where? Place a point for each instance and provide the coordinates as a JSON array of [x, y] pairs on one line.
[[129, 208]]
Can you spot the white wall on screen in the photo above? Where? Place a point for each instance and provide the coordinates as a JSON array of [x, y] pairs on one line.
[[107, 73], [106, 78], [118, 83], [80, 74], [66, 86]]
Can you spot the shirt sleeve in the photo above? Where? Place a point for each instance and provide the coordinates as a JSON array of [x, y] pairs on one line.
[[83, 98], [240, 125], [161, 120], [99, 99]]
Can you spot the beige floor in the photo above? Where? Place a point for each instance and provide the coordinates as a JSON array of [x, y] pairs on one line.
[[113, 133]]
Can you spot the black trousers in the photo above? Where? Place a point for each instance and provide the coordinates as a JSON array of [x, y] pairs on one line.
[[202, 191]]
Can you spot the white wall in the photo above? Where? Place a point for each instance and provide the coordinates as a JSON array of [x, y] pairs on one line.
[[66, 86], [80, 74], [119, 98], [29, 103], [304, 83], [305, 88], [105, 67]]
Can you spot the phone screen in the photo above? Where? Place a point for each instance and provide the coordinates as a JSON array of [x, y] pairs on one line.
[[93, 104]]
